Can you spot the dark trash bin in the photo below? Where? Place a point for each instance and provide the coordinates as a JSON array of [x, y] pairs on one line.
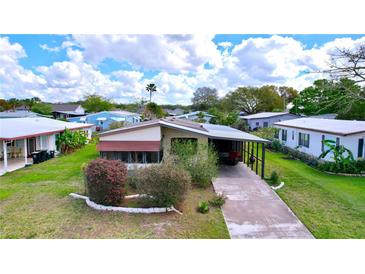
[[51, 154], [36, 156], [43, 155]]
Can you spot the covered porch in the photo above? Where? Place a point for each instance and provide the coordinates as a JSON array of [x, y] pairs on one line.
[[17, 152], [14, 164]]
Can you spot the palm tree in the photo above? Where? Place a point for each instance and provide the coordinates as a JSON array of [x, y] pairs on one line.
[[151, 88]]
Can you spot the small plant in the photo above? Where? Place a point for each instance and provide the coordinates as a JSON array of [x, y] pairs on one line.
[[218, 200], [203, 207], [274, 178], [105, 181]]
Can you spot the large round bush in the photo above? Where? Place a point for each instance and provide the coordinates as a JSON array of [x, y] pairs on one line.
[[165, 184], [105, 181]]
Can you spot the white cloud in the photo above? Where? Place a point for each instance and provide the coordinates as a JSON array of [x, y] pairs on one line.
[[169, 53], [178, 59], [16, 81]]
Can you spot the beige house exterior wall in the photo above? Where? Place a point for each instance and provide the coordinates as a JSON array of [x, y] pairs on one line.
[[169, 133]]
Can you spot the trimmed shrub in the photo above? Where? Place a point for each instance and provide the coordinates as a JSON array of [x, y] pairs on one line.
[[165, 184], [274, 178], [218, 200], [200, 160], [105, 181], [203, 207]]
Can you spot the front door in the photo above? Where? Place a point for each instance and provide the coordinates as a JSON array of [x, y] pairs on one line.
[[31, 145]]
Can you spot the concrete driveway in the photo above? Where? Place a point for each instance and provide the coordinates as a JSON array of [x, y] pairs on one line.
[[253, 209]]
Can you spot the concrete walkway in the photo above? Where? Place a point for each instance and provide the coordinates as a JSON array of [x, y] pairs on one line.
[[253, 209]]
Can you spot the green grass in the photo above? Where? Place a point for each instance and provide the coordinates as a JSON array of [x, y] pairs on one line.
[[34, 203], [330, 206]]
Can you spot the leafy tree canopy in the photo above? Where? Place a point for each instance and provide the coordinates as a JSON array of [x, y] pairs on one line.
[[96, 103], [205, 98], [42, 108], [327, 96], [252, 99]]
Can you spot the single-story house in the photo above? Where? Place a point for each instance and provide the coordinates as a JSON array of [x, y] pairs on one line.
[[267, 119], [103, 119], [19, 137], [195, 115], [148, 142], [307, 134], [64, 111]]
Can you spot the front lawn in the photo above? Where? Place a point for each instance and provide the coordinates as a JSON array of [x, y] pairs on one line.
[[330, 206], [34, 203]]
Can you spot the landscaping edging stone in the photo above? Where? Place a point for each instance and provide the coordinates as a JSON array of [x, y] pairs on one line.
[[124, 209]]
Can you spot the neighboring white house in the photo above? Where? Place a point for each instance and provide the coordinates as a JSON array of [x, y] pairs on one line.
[[307, 134], [267, 119], [19, 137], [192, 116]]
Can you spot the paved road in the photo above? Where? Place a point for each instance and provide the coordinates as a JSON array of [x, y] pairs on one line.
[[253, 209]]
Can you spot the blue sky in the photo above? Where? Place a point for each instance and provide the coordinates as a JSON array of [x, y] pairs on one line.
[[66, 67]]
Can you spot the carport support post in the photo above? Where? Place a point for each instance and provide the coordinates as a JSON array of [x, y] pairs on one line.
[[252, 154], [25, 152], [248, 154], [244, 151], [5, 152], [257, 158], [263, 161]]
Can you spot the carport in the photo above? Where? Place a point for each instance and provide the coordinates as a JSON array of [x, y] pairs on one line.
[[230, 142]]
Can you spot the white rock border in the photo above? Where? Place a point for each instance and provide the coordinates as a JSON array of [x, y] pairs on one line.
[[125, 209], [278, 187]]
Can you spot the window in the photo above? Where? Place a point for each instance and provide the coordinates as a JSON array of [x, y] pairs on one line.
[[266, 124], [138, 157], [292, 135], [303, 139], [360, 150], [322, 147], [257, 124], [284, 134]]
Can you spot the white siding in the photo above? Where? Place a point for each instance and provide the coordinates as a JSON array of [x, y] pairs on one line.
[[315, 142], [143, 134], [270, 120]]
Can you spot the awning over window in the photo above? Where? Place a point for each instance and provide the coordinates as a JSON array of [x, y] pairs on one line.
[[101, 119], [118, 119], [129, 146]]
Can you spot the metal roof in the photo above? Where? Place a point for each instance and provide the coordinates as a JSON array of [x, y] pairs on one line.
[[339, 127], [261, 115], [209, 130], [64, 107], [16, 128]]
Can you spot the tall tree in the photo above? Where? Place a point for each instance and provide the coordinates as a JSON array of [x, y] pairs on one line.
[[205, 98], [288, 94], [96, 103], [151, 88], [14, 103], [252, 100], [348, 63], [328, 96]]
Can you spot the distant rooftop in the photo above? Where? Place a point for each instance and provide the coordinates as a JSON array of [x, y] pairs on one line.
[[261, 115], [18, 114], [194, 113], [64, 107], [339, 127]]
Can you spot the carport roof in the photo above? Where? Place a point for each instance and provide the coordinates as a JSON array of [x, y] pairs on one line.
[[18, 128], [209, 130]]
